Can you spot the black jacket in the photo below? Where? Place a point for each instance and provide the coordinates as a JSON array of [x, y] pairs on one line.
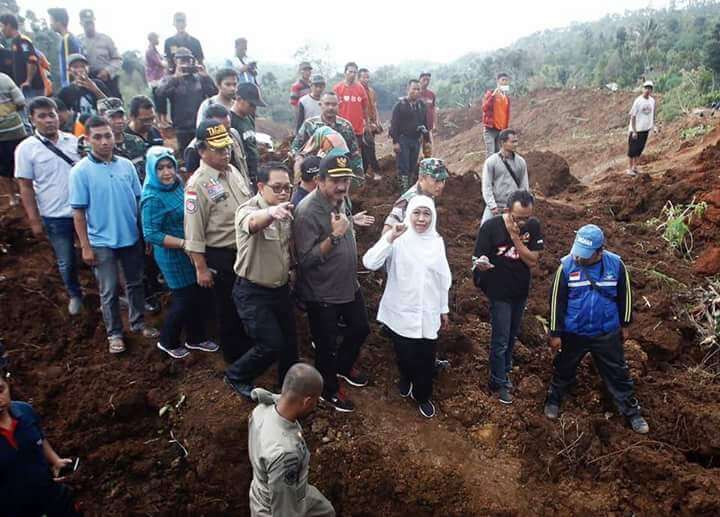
[[185, 94], [407, 118]]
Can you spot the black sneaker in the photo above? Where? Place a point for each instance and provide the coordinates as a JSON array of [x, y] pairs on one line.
[[244, 390], [552, 410], [152, 306], [427, 408], [339, 401], [355, 378], [504, 396], [405, 387]]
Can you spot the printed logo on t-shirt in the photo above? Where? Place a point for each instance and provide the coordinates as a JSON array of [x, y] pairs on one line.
[[507, 252]]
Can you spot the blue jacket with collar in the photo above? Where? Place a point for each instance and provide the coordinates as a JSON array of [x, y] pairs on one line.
[[590, 301]]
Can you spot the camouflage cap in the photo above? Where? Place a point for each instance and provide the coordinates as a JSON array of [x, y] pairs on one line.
[[110, 106], [434, 167]]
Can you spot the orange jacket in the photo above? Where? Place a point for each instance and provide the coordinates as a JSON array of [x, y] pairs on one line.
[[496, 111]]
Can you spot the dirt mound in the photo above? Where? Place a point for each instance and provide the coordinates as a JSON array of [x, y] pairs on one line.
[[163, 437], [549, 173]]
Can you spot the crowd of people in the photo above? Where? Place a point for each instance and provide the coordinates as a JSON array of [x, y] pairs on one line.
[[248, 244]]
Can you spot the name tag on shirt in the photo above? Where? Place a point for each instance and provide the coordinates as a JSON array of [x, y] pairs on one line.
[[215, 190]]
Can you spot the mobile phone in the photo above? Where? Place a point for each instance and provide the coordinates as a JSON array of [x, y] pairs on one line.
[[70, 468]]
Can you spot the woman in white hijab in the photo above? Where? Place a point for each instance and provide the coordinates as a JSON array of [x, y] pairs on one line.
[[414, 305]]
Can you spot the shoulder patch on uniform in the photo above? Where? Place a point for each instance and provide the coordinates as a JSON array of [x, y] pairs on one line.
[[291, 470], [190, 202]]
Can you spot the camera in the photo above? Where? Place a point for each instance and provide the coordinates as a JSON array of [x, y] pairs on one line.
[[189, 69]]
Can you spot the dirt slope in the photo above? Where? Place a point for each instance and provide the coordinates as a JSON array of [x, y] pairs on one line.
[[476, 457]]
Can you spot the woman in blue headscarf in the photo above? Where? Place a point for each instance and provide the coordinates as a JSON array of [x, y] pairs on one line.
[[162, 215]]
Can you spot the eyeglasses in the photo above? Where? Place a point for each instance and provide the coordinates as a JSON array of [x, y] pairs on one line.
[[279, 189]]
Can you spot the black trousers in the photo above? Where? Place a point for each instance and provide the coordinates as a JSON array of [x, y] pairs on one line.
[[269, 321], [233, 340], [56, 500], [609, 358], [637, 146], [369, 156], [416, 362], [183, 137], [336, 352], [188, 311]]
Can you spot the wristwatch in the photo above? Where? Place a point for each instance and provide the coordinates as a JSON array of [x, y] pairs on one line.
[[334, 239]]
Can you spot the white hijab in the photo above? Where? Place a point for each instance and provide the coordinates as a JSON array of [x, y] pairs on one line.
[[414, 252]]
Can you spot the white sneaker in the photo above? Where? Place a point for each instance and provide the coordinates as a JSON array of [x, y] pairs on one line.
[[75, 305], [116, 345]]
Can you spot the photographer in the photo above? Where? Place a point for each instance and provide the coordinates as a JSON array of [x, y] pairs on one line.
[[30, 469], [407, 127], [186, 90], [82, 94]]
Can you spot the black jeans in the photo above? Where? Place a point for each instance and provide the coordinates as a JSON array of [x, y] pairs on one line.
[[183, 137], [233, 340], [416, 362], [188, 310], [369, 156], [408, 156], [269, 321], [609, 358], [331, 357]]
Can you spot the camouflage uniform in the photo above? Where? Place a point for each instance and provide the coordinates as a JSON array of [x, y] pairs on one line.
[[343, 127], [434, 167], [133, 148]]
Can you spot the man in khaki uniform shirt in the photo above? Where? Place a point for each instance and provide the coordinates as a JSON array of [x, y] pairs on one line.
[[278, 454], [212, 196], [261, 294]]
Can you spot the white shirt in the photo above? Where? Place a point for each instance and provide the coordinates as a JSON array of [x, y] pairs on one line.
[[419, 278], [644, 111], [49, 173]]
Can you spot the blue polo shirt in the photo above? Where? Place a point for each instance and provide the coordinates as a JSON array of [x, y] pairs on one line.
[[24, 471], [109, 193]]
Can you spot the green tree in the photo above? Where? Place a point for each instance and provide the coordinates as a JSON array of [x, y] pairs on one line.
[[712, 51]]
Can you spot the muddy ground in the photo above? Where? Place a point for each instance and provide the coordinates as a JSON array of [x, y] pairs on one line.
[[476, 457]]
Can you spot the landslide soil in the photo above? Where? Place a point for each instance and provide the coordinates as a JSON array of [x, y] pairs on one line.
[[475, 457]]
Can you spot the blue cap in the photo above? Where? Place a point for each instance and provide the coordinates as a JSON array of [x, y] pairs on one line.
[[588, 240]]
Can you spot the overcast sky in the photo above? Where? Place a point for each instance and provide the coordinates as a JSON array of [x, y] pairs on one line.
[[371, 32]]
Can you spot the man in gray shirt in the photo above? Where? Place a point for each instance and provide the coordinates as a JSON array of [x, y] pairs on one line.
[[326, 255], [101, 53], [309, 105], [503, 173], [279, 456]]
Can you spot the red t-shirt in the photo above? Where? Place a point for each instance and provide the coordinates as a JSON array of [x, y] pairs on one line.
[[353, 101], [9, 434], [428, 98]]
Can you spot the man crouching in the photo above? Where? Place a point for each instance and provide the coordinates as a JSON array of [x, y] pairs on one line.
[[279, 456]]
